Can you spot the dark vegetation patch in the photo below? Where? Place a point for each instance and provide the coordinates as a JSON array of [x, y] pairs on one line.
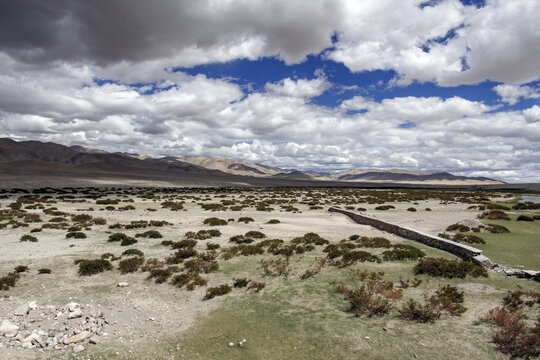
[[221, 290], [441, 267], [92, 267]]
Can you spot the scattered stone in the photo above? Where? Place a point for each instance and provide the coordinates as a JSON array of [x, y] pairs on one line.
[[123, 284], [22, 310], [76, 338], [78, 348], [8, 329], [32, 305], [75, 314], [93, 340], [367, 338], [231, 344], [72, 306]]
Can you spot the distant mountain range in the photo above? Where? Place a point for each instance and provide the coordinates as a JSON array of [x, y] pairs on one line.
[[34, 161]]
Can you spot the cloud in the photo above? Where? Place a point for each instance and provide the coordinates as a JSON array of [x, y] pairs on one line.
[[52, 52], [512, 94]]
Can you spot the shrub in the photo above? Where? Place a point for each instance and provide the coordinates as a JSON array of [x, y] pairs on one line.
[[275, 268], [199, 265], [373, 242], [213, 221], [449, 299], [314, 270], [212, 246], [351, 257], [117, 237], [310, 239], [494, 215], [81, 218], [160, 275], [130, 265], [128, 241], [403, 252], [242, 249], [241, 282], [152, 234], [217, 291], [240, 239], [179, 256], [256, 286], [411, 209], [29, 238], [524, 218], [385, 207], [245, 220], [92, 267], [44, 271], [458, 227], [497, 229], [370, 295], [76, 235], [440, 267], [202, 234], [152, 263], [468, 238], [414, 311], [273, 221], [109, 256], [21, 268], [131, 252], [255, 235], [183, 244], [9, 280]]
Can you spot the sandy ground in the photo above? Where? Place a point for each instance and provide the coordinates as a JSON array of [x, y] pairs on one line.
[[145, 310]]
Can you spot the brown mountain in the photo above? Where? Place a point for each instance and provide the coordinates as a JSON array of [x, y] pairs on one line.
[[34, 163]]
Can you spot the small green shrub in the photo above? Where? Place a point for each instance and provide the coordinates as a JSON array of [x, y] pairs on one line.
[[133, 252], [160, 275], [385, 207], [241, 282], [201, 266], [255, 235], [9, 280], [130, 265], [458, 227], [245, 220], [44, 271], [468, 238], [273, 221], [414, 311], [183, 244], [76, 235], [21, 268], [179, 256], [29, 238], [211, 246], [411, 209], [117, 237], [128, 241], [524, 218], [221, 290], [494, 215], [403, 252], [441, 267], [213, 221], [92, 267], [497, 229], [151, 234]]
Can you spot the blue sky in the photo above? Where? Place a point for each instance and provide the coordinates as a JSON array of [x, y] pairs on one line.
[[442, 85]]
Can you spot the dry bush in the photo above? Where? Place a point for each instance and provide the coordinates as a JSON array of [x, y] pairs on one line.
[[313, 270], [414, 311], [92, 267], [276, 268], [255, 286], [369, 295], [217, 291], [494, 215]]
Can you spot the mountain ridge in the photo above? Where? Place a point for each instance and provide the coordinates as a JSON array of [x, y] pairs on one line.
[[80, 159]]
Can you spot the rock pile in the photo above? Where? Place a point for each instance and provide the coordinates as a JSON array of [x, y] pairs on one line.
[[52, 328]]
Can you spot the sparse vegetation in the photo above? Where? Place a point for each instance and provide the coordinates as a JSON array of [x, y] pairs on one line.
[[441, 267], [92, 267]]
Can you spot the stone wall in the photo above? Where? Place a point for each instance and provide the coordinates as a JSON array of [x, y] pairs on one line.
[[465, 252]]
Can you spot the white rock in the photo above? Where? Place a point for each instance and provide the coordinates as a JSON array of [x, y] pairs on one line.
[[22, 310], [122, 284], [32, 305], [33, 338], [75, 314], [76, 338], [72, 306], [8, 329], [78, 348], [231, 344]]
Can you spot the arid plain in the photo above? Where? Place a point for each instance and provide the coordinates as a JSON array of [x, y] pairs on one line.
[[147, 273]]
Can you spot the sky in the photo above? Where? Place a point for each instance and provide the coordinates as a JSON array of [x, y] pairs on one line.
[[326, 85]]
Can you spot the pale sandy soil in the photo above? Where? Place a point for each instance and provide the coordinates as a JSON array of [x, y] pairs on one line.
[[172, 309]]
